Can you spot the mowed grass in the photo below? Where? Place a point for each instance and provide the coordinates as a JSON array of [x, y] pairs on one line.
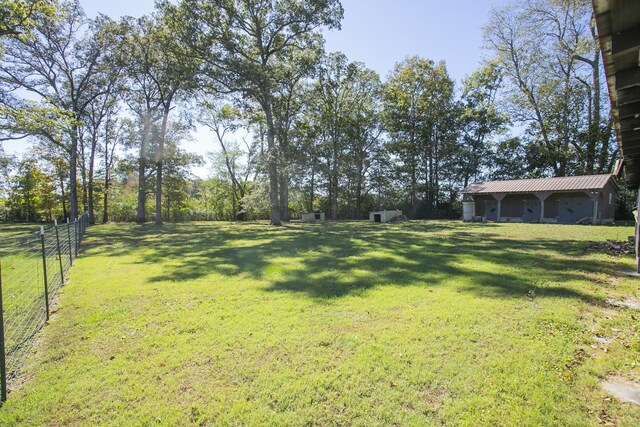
[[350, 323]]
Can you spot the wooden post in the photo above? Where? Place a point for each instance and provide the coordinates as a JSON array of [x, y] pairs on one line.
[[499, 197], [542, 196], [594, 195]]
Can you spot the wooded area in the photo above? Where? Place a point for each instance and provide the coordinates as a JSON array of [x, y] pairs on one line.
[[108, 103]]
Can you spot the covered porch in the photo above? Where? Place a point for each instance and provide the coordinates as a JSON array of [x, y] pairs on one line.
[[567, 200]]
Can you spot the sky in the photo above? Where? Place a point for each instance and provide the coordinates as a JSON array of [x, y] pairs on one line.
[[378, 33], [381, 33]]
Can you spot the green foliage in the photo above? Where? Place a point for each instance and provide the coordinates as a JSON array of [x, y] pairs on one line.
[[419, 116], [479, 121], [246, 46], [31, 194], [19, 17]]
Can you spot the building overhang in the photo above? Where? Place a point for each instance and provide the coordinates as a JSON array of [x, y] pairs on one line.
[[618, 23]]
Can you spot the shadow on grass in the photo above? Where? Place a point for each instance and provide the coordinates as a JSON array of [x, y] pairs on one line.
[[332, 260]]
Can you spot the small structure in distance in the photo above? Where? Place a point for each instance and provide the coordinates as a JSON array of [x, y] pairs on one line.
[[314, 216], [384, 216], [588, 199]]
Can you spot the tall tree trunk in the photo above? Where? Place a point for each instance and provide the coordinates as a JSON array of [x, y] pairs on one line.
[[64, 202], [105, 203], [83, 173], [272, 162], [414, 190], [313, 173], [329, 186], [334, 180], [284, 195], [92, 157], [359, 199], [73, 173], [141, 213], [107, 167], [159, 163]]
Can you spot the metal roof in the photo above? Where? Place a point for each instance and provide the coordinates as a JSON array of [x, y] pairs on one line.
[[562, 184], [618, 23]]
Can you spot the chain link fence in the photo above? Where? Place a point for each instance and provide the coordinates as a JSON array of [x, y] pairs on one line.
[[33, 268]]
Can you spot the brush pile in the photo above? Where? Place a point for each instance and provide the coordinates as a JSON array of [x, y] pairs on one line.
[[614, 248]]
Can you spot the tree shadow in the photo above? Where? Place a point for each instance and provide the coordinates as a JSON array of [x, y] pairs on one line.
[[332, 260]]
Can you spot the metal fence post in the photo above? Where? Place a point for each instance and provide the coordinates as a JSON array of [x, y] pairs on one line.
[[3, 362], [44, 270], [75, 234], [69, 240], [55, 223]]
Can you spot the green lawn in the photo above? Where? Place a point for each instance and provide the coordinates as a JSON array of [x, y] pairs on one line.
[[351, 323]]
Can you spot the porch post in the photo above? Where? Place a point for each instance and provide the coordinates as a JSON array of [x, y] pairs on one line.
[[499, 197], [594, 195], [542, 196]]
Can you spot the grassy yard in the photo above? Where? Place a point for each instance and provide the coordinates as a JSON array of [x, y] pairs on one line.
[[414, 323]]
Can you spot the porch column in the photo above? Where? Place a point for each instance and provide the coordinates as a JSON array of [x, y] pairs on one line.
[[542, 196], [594, 195], [499, 197]]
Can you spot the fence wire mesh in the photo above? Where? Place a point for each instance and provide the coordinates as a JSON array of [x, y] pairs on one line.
[[34, 267]]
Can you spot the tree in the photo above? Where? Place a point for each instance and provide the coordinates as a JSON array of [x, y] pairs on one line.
[[346, 110], [61, 65], [31, 197], [549, 53], [335, 100], [223, 120], [291, 95], [177, 187], [418, 99], [243, 43], [143, 99], [479, 119], [19, 17], [115, 132]]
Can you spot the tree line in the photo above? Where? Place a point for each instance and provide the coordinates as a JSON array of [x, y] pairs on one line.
[[108, 103]]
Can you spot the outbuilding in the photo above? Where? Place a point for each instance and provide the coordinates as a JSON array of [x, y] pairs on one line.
[[588, 199], [315, 216], [384, 216]]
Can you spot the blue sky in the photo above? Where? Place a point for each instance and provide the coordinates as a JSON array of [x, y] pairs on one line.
[[383, 32]]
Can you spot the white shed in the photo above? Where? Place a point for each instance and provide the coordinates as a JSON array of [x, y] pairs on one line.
[[312, 216], [384, 216]]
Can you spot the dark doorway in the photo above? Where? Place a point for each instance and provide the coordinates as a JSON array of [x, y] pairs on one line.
[[377, 218]]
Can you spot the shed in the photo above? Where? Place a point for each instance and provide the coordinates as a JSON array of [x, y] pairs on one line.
[[312, 216], [565, 200], [384, 216]]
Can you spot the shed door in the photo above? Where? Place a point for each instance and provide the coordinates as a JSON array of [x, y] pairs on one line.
[[377, 218], [491, 210], [531, 210], [573, 209]]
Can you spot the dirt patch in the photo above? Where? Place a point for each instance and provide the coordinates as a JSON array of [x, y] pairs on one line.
[[624, 390], [603, 341], [628, 303]]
